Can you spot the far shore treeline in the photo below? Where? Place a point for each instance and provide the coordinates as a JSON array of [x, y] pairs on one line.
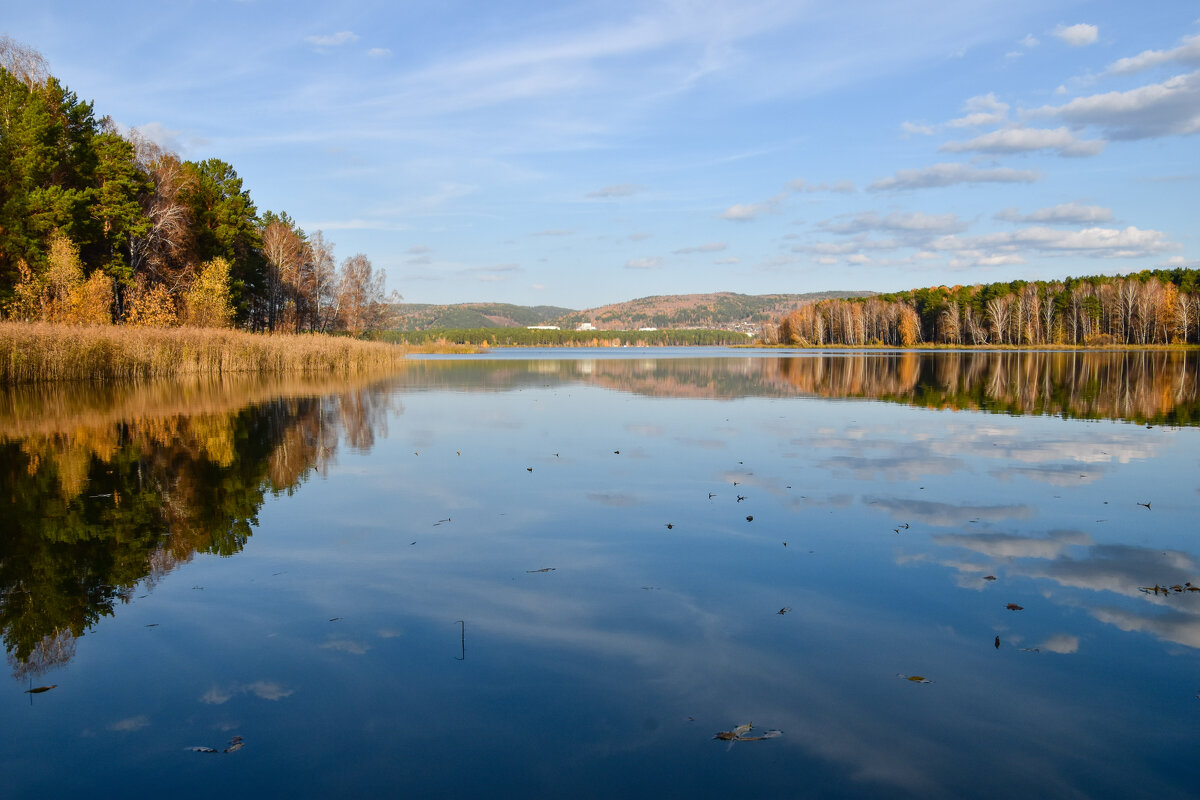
[[102, 225], [1158, 306], [542, 337]]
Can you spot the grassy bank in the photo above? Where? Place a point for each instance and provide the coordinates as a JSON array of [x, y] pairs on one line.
[[37, 352]]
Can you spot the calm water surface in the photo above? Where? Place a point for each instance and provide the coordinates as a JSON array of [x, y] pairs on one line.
[[560, 574]]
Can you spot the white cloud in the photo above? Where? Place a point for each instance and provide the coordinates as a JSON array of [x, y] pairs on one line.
[[161, 135], [1061, 643], [710, 247], [379, 52], [332, 40], [644, 263], [949, 175], [1159, 109], [1029, 41], [1186, 53], [744, 212], [914, 129], [617, 190], [1096, 242], [902, 222], [1067, 213], [730, 260], [639, 237], [130, 723], [981, 110], [839, 187], [1077, 35], [417, 249], [1019, 139], [266, 690], [346, 646]]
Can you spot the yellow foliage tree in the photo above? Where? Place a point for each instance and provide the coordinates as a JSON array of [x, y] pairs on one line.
[[207, 303], [60, 294], [151, 307], [26, 305]]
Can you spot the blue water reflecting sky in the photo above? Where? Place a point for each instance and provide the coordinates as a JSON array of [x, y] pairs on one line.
[[332, 642]]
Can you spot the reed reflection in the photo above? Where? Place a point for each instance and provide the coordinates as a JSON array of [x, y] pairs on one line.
[[100, 504]]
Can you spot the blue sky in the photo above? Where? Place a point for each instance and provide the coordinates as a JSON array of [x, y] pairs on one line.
[[580, 153]]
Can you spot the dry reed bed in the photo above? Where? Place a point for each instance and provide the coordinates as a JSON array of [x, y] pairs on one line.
[[38, 352]]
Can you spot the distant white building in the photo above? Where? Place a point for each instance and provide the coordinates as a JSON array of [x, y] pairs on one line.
[[542, 327], [647, 329], [586, 326]]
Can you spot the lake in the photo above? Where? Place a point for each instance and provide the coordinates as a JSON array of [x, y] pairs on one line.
[[563, 573]]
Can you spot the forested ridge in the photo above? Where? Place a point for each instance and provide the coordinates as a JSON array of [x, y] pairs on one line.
[[1159, 306], [99, 224]]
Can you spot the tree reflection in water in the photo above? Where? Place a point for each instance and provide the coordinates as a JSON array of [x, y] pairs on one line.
[[100, 504]]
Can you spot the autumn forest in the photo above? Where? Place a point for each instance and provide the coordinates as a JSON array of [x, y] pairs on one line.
[[99, 224]]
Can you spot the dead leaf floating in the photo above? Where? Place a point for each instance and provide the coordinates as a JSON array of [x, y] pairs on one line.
[[1014, 607], [997, 642], [1178, 588], [41, 689], [989, 577], [750, 518], [740, 734], [784, 610], [543, 569], [235, 744], [913, 678]]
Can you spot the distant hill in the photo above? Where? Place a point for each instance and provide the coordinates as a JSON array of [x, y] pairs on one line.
[[721, 311], [418, 317]]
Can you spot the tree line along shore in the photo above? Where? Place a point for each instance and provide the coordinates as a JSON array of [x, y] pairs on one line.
[[1152, 307]]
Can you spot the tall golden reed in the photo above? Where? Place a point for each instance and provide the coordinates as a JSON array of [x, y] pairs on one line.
[[40, 351]]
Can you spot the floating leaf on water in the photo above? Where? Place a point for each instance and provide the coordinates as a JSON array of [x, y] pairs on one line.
[[1014, 607], [913, 678], [989, 577], [670, 525], [784, 610], [997, 642], [750, 518], [741, 731], [235, 744], [202, 749], [543, 569], [41, 689], [739, 734], [765, 735]]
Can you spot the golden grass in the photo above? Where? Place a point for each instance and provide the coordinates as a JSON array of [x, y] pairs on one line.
[[39, 352], [443, 346]]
